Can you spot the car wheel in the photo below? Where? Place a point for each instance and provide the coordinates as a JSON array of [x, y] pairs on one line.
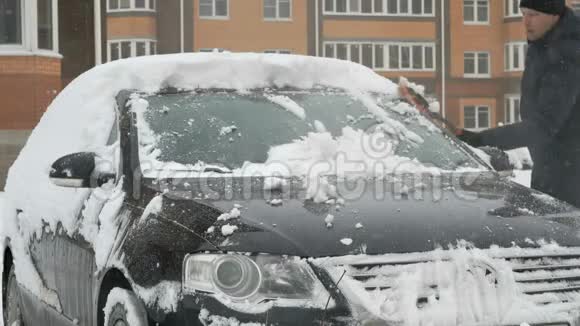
[[123, 308], [12, 312]]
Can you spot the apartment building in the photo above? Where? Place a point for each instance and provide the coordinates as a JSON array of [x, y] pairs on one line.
[[468, 53]]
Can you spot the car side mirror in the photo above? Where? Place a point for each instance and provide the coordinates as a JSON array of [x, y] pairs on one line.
[[74, 171]]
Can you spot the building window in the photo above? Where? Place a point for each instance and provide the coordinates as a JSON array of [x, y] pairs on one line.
[[129, 5], [512, 109], [476, 117], [476, 64], [515, 56], [476, 11], [10, 22], [121, 49], [380, 7], [385, 56], [45, 29], [279, 51], [512, 8], [213, 8], [278, 9]]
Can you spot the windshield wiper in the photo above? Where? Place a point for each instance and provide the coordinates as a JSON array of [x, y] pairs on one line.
[[217, 169]]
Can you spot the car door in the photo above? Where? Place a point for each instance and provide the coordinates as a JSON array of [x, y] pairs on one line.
[[66, 262]]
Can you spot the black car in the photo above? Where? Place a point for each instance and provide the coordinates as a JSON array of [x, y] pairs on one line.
[[205, 209]]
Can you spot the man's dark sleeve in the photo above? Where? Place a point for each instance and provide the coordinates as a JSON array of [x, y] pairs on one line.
[[557, 98]]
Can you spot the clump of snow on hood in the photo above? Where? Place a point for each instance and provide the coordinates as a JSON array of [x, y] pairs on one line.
[[288, 104], [154, 207], [346, 241], [276, 202], [228, 130], [234, 213], [329, 219], [228, 229], [320, 154], [319, 126], [321, 149]]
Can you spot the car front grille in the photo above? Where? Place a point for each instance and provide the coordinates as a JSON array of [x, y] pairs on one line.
[[548, 279], [544, 285]]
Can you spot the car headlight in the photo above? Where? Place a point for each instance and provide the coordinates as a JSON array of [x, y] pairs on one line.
[[255, 279]]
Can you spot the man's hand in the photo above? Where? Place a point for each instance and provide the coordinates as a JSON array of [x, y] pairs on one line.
[[470, 137], [498, 159]]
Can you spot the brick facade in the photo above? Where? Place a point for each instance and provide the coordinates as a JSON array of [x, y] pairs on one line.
[[131, 27], [27, 86]]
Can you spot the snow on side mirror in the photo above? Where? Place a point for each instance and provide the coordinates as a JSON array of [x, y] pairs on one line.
[[74, 170]]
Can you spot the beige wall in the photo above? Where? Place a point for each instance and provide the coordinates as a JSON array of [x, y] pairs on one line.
[[246, 29], [131, 27], [379, 29]]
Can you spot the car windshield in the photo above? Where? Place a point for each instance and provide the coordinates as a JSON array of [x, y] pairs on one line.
[[227, 129]]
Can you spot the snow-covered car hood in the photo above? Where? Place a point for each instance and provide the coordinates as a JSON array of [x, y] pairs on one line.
[[487, 211]]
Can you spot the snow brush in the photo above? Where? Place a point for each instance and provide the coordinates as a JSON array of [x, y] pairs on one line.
[[414, 98]]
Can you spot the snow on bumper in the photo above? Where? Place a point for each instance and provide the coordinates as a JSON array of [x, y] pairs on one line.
[[461, 286]]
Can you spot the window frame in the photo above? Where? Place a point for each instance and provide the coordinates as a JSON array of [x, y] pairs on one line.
[[132, 6], [148, 43], [386, 54], [277, 18], [213, 16], [475, 13], [477, 124], [509, 106], [477, 73], [54, 14], [29, 29], [385, 9], [508, 9], [509, 49], [23, 36]]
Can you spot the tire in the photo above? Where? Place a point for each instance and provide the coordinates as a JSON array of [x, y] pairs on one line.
[[12, 305], [123, 308]]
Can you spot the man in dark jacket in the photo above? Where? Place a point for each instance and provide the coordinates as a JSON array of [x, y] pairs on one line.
[[550, 101]]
